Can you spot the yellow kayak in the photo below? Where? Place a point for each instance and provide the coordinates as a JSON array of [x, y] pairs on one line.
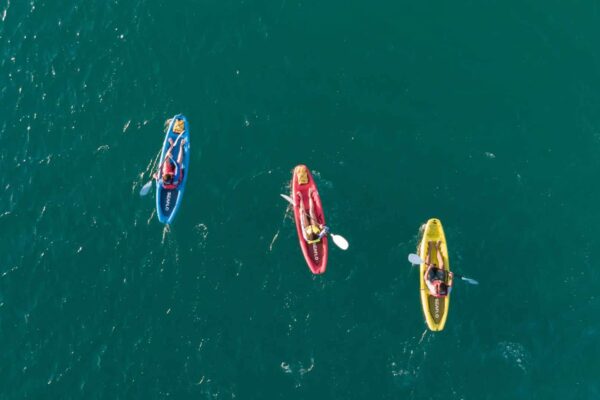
[[434, 308]]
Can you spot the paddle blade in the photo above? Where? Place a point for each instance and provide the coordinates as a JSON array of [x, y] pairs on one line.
[[146, 188], [469, 280], [288, 198], [340, 241], [415, 259]]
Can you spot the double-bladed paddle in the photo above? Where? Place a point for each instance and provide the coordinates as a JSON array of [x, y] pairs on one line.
[[416, 260], [339, 240]]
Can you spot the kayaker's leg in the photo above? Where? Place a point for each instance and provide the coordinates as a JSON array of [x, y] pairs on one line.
[[170, 151], [428, 258], [439, 255], [303, 215], [180, 155], [167, 156], [311, 209]]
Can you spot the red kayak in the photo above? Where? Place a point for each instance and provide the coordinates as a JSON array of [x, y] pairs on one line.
[[304, 188]]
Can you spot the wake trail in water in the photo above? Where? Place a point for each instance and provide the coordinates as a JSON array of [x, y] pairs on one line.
[[152, 214], [297, 370], [202, 231], [148, 174], [165, 232], [423, 336], [5, 11], [152, 167], [273, 241], [13, 269], [406, 369], [253, 177], [148, 171], [285, 215]]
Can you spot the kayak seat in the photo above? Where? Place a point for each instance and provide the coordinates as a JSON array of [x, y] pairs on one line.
[[178, 127], [302, 175]]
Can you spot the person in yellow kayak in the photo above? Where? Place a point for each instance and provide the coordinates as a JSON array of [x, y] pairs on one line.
[[437, 279], [312, 230]]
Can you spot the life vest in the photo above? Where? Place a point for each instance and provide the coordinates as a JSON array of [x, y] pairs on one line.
[[434, 278], [169, 167], [312, 229], [174, 184]]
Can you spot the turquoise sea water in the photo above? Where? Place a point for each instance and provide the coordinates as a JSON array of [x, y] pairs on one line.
[[483, 114]]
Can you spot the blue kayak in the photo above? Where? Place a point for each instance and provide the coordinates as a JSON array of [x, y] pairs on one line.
[[170, 193]]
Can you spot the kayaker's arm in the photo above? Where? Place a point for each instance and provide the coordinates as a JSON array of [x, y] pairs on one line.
[[430, 286], [450, 279], [324, 231]]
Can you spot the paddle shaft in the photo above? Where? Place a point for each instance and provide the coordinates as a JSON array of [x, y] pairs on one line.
[[419, 260]]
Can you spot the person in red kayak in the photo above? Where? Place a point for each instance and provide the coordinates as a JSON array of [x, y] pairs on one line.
[[172, 171], [437, 279], [312, 230]]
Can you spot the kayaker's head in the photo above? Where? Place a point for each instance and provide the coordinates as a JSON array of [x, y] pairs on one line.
[[312, 231], [441, 288], [302, 174], [167, 177]]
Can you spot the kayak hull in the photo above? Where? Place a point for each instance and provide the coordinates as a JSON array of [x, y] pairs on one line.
[[434, 309], [168, 201], [315, 254]]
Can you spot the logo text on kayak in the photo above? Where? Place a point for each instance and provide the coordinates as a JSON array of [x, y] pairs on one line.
[[168, 202]]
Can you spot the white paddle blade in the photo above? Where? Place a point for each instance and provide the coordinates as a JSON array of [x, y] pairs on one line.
[[471, 281], [415, 259], [146, 188], [340, 241], [288, 198]]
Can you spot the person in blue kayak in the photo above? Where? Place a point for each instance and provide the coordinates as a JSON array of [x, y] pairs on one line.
[[312, 230], [437, 279], [172, 171]]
